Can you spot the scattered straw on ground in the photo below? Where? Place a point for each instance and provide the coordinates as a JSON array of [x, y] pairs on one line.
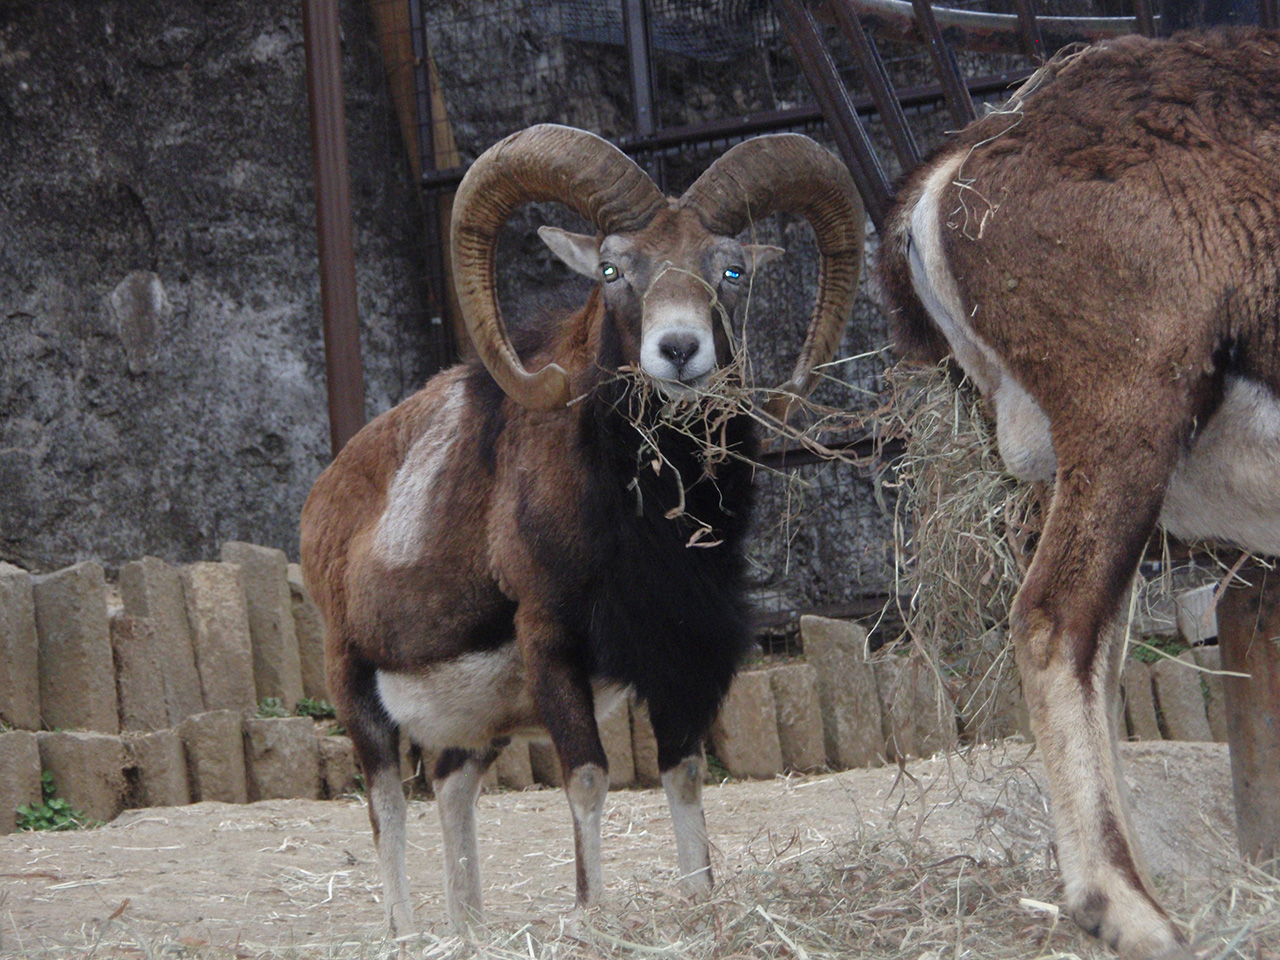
[[952, 860]]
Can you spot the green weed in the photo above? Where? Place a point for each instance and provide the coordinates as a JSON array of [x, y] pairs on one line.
[[54, 813]]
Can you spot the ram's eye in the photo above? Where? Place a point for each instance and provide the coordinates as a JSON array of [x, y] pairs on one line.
[[733, 273], [609, 272]]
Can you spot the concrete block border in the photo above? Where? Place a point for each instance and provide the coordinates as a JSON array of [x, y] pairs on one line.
[[166, 684]]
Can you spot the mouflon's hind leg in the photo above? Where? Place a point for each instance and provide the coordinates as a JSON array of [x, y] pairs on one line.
[[457, 780], [562, 691], [387, 814], [1105, 503], [376, 739]]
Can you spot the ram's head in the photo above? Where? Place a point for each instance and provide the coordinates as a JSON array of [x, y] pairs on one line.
[[670, 270]]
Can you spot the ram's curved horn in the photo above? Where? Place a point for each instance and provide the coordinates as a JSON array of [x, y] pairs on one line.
[[793, 173], [540, 163]]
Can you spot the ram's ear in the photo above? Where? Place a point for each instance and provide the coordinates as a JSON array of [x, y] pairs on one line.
[[758, 254], [580, 252]]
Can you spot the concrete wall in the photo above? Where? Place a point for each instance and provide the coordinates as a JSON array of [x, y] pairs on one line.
[[163, 384]]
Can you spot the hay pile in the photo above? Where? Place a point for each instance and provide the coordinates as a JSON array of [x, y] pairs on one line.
[[964, 536]]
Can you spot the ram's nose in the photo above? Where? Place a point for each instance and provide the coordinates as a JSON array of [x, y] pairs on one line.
[[677, 353], [680, 349]]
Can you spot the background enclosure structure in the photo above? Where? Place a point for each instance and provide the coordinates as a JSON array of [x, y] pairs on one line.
[[676, 84], [162, 369]]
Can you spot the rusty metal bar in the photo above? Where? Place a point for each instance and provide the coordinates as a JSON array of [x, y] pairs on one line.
[[635, 31], [948, 70], [984, 32], [921, 95], [422, 90], [841, 116], [1269, 14], [768, 121], [1145, 17], [433, 241], [1249, 637], [878, 82], [344, 370], [1029, 30]]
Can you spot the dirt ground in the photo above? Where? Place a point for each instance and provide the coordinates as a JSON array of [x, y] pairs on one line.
[[284, 874]]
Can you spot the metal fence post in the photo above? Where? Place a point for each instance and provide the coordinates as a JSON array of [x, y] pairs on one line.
[[344, 370]]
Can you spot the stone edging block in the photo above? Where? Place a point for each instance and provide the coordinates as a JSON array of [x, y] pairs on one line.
[[152, 588], [214, 748], [88, 770], [277, 669], [77, 676], [219, 620], [282, 759], [20, 785], [1181, 699], [800, 735], [745, 732], [19, 650], [135, 648]]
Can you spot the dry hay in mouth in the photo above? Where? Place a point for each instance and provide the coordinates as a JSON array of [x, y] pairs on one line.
[[702, 414]]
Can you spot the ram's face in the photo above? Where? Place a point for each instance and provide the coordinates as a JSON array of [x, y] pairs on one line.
[[671, 289]]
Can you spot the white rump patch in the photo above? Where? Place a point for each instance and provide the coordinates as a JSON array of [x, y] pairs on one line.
[[406, 521], [1227, 485], [463, 702], [469, 700], [1022, 428]]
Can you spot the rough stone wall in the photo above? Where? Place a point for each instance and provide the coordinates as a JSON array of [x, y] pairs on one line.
[[161, 363]]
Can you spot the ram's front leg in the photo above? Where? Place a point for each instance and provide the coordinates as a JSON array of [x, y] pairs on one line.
[[562, 691], [683, 766]]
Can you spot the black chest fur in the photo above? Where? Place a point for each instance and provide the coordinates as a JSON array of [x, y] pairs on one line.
[[658, 600]]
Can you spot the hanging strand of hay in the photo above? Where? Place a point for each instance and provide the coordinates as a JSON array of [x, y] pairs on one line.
[[968, 526], [965, 533], [964, 536]]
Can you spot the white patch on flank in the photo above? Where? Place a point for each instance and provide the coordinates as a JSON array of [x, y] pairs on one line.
[[406, 521], [1227, 485], [469, 700], [463, 702], [1022, 428]]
